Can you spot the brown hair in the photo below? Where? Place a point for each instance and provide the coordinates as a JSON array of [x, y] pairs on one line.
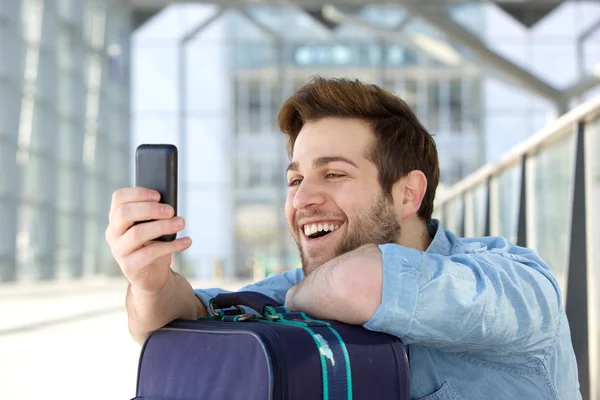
[[402, 143]]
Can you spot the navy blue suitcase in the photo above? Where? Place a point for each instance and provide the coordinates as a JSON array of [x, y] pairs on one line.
[[272, 355]]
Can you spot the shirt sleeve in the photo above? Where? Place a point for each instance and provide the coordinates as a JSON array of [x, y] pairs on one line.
[[468, 302], [274, 286]]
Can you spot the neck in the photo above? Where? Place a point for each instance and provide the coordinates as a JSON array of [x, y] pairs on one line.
[[414, 234]]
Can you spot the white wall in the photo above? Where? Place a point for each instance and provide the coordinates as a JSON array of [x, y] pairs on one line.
[[206, 200]]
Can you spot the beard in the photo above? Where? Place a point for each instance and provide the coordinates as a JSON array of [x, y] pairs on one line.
[[376, 225]]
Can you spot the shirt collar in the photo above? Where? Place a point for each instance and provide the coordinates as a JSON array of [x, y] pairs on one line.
[[440, 243]]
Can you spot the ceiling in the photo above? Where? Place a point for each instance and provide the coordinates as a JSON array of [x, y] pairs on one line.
[[435, 13]]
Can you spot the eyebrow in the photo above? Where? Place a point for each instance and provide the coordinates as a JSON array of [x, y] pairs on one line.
[[321, 162]]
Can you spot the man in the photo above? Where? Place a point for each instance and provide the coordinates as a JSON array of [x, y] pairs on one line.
[[482, 318]]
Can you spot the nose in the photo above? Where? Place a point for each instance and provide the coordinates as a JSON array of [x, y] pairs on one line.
[[308, 195]]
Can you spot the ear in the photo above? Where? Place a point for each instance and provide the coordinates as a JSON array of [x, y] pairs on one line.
[[408, 193]]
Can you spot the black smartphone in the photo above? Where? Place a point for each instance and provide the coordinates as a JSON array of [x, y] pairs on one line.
[[156, 169]]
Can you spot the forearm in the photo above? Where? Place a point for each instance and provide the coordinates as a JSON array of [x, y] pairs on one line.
[[148, 312], [346, 289], [481, 301]]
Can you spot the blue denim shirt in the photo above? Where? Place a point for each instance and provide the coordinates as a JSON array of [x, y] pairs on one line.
[[482, 319]]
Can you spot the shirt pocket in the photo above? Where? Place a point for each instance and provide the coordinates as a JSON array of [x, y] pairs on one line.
[[444, 393]]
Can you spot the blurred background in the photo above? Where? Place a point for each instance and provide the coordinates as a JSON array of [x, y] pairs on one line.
[[509, 88]]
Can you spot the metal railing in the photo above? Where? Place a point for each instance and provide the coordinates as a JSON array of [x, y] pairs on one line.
[[545, 195]]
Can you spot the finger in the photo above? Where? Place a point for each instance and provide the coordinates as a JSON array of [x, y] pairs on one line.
[[132, 195], [155, 250], [127, 214], [141, 234]]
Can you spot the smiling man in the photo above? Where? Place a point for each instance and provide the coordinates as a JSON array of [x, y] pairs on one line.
[[481, 318]]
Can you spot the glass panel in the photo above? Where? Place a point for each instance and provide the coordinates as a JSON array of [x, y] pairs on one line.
[[44, 129], [454, 216], [507, 208], [592, 146], [479, 206], [438, 213], [70, 182], [10, 104], [35, 242], [38, 174], [91, 247], [9, 171], [69, 244], [7, 236], [552, 173]]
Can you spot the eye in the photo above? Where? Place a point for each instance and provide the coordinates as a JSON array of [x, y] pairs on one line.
[[333, 176], [294, 182]]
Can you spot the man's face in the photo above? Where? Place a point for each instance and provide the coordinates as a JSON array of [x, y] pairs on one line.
[[335, 203]]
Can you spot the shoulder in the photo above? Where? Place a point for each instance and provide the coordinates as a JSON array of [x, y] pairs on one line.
[[496, 245], [498, 251]]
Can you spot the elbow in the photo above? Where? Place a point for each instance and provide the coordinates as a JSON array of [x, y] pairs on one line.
[[359, 292]]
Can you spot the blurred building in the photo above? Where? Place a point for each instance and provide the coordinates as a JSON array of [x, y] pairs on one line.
[[64, 133], [227, 71], [83, 82], [269, 69]]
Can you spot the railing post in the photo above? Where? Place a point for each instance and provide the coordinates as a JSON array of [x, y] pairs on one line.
[[463, 220], [488, 208], [577, 293], [522, 222]]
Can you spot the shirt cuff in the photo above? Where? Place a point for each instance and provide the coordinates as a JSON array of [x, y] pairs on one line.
[[400, 290]]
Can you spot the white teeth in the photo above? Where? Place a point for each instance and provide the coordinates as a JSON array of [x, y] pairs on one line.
[[314, 228]]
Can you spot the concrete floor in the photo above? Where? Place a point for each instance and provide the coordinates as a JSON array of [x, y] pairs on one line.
[[68, 341]]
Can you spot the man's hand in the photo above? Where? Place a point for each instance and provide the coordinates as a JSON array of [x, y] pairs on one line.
[[145, 263], [156, 295], [347, 288]]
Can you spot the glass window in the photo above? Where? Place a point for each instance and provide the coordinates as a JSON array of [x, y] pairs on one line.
[[10, 104], [476, 211], [506, 203], [44, 128], [409, 93], [7, 244], [70, 235], [453, 214], [13, 49], [91, 253], [9, 172], [434, 105], [37, 182], [592, 148], [70, 187], [552, 178], [456, 106]]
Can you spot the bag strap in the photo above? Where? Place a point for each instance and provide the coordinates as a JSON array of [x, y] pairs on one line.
[[257, 301], [335, 362], [336, 370]]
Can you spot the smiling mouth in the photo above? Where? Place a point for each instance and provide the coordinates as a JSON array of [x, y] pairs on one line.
[[319, 230]]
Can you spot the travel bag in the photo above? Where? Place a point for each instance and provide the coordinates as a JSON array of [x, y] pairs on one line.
[[273, 354]]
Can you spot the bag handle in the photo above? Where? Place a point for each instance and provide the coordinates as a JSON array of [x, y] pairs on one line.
[[256, 301]]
